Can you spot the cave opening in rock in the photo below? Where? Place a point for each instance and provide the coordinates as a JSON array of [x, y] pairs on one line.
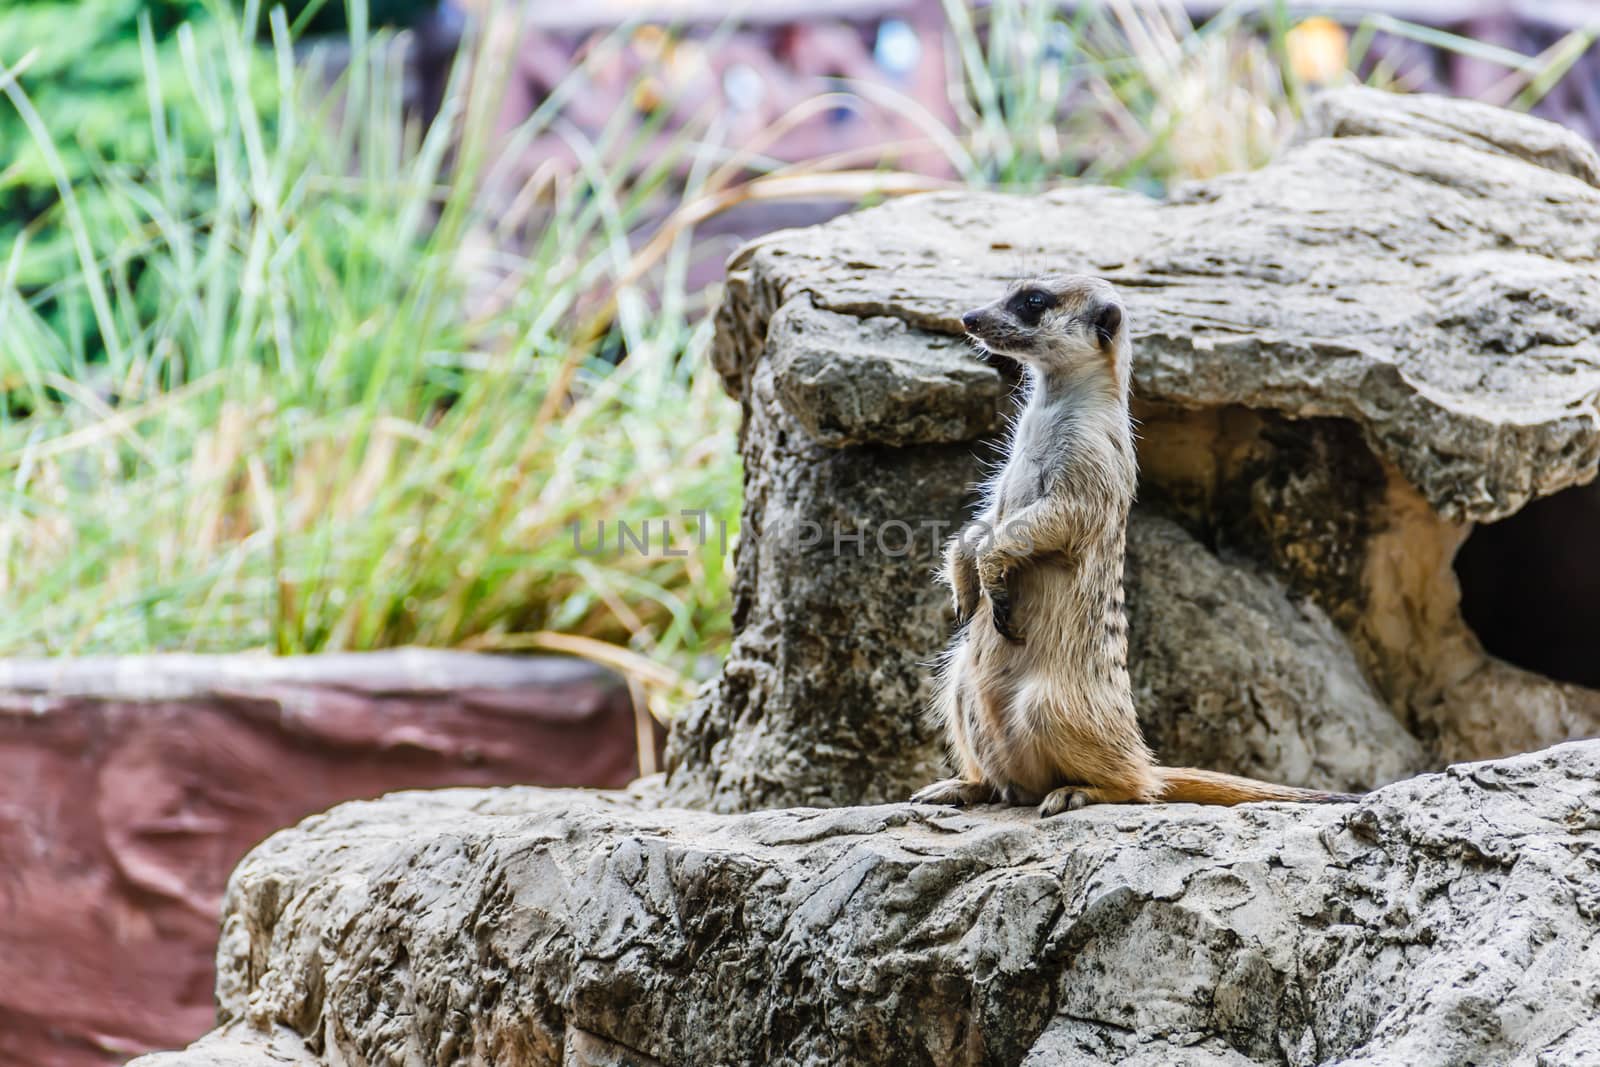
[[1530, 586]]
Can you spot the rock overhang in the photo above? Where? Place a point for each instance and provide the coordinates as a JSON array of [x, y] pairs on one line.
[[1443, 295]]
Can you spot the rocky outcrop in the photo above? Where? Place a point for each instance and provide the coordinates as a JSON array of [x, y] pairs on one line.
[[130, 786], [1343, 362], [1450, 919]]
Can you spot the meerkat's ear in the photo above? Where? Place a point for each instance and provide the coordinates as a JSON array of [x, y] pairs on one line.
[[1106, 321]]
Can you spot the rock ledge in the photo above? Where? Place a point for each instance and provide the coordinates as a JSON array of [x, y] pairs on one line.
[[1453, 918]]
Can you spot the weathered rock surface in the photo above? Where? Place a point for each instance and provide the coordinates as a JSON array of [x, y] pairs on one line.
[[836, 612], [1482, 127], [1450, 919], [1342, 362], [1258, 682], [1440, 292]]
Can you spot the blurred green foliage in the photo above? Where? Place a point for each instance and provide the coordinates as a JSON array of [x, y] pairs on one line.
[[286, 366], [332, 16], [82, 66], [329, 394]]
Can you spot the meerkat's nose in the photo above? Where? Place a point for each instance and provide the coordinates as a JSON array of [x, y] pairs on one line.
[[970, 320]]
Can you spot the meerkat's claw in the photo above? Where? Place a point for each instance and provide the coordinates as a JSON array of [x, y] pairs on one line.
[[961, 572], [965, 609], [1067, 798], [1000, 614]]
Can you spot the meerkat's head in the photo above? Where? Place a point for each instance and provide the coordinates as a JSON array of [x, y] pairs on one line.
[[1067, 324]]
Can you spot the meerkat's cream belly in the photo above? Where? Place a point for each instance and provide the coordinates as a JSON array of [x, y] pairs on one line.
[[1054, 710]]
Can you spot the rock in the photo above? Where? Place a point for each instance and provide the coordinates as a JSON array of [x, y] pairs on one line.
[[1343, 363], [1368, 113], [1233, 673], [130, 786], [851, 381], [1362, 277], [1450, 919], [834, 596], [240, 1046]]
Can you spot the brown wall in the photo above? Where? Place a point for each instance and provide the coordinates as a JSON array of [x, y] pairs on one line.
[[130, 787]]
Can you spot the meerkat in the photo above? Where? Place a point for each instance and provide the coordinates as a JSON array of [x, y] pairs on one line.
[[1033, 692]]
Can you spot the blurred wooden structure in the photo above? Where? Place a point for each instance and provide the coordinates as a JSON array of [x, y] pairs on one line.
[[1525, 26]]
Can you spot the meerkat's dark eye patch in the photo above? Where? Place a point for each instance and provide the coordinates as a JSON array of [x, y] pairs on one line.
[[1029, 305]]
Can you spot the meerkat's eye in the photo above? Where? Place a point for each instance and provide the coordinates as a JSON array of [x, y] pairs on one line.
[[1029, 305]]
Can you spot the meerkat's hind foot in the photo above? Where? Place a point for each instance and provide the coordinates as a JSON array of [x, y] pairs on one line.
[[1073, 797], [1067, 798], [957, 791], [1016, 796]]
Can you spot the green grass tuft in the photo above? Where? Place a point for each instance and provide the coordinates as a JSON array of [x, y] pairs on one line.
[[308, 425]]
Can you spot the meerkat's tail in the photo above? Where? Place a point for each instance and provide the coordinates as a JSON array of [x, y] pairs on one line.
[[1193, 786]]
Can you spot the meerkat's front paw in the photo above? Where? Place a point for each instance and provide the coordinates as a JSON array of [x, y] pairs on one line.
[[957, 791], [991, 567], [993, 571], [961, 570]]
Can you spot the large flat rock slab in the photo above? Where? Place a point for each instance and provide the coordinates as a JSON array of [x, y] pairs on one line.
[[1449, 919]]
